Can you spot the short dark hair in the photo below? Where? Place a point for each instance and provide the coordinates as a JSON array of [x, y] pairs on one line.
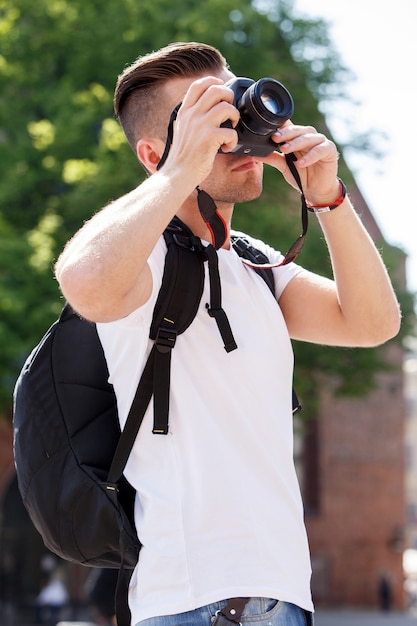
[[138, 87]]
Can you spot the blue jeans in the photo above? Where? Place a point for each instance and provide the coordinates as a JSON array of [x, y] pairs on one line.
[[257, 612]]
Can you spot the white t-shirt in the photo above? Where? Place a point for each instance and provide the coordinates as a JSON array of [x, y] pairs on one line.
[[218, 508]]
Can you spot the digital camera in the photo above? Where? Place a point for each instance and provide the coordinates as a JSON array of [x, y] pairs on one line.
[[264, 106]]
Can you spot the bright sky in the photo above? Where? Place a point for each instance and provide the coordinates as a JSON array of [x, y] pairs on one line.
[[377, 40]]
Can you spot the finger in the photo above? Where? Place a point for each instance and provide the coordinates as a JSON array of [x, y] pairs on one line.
[[311, 150], [324, 152], [212, 100], [290, 131], [297, 139], [301, 142], [209, 86]]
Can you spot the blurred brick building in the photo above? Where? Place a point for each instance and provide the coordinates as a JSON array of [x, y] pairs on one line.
[[354, 484]]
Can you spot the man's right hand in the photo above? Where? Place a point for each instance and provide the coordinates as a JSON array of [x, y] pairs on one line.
[[198, 130]]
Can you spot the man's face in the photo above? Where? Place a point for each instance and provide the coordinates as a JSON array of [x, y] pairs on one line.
[[233, 178]]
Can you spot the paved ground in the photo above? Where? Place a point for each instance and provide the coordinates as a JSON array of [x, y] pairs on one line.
[[363, 618]]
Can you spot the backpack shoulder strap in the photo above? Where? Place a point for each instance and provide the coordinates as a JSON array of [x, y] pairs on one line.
[[176, 307], [247, 251], [182, 284]]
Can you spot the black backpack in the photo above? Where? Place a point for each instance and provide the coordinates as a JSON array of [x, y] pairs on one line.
[[69, 452]]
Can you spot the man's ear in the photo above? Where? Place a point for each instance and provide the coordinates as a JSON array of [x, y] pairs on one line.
[[149, 153]]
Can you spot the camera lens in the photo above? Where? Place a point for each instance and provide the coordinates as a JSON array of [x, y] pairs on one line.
[[269, 103], [265, 106]]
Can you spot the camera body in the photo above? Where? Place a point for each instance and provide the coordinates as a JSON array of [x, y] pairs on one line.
[[264, 106]]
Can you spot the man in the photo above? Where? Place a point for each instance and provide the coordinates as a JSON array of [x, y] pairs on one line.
[[218, 509]]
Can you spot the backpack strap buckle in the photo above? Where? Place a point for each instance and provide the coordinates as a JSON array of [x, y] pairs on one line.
[[165, 338]]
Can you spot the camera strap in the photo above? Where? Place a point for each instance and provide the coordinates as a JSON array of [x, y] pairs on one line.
[[170, 135], [213, 219], [295, 248], [218, 227]]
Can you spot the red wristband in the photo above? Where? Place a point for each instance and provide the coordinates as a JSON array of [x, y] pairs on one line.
[[323, 208]]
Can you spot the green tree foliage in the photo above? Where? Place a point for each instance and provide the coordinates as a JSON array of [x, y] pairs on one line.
[[63, 155]]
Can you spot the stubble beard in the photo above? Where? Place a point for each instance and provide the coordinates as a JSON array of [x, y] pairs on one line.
[[236, 192]]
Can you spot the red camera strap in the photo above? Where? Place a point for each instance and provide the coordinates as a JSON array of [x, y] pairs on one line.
[[218, 227], [295, 248], [215, 222]]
